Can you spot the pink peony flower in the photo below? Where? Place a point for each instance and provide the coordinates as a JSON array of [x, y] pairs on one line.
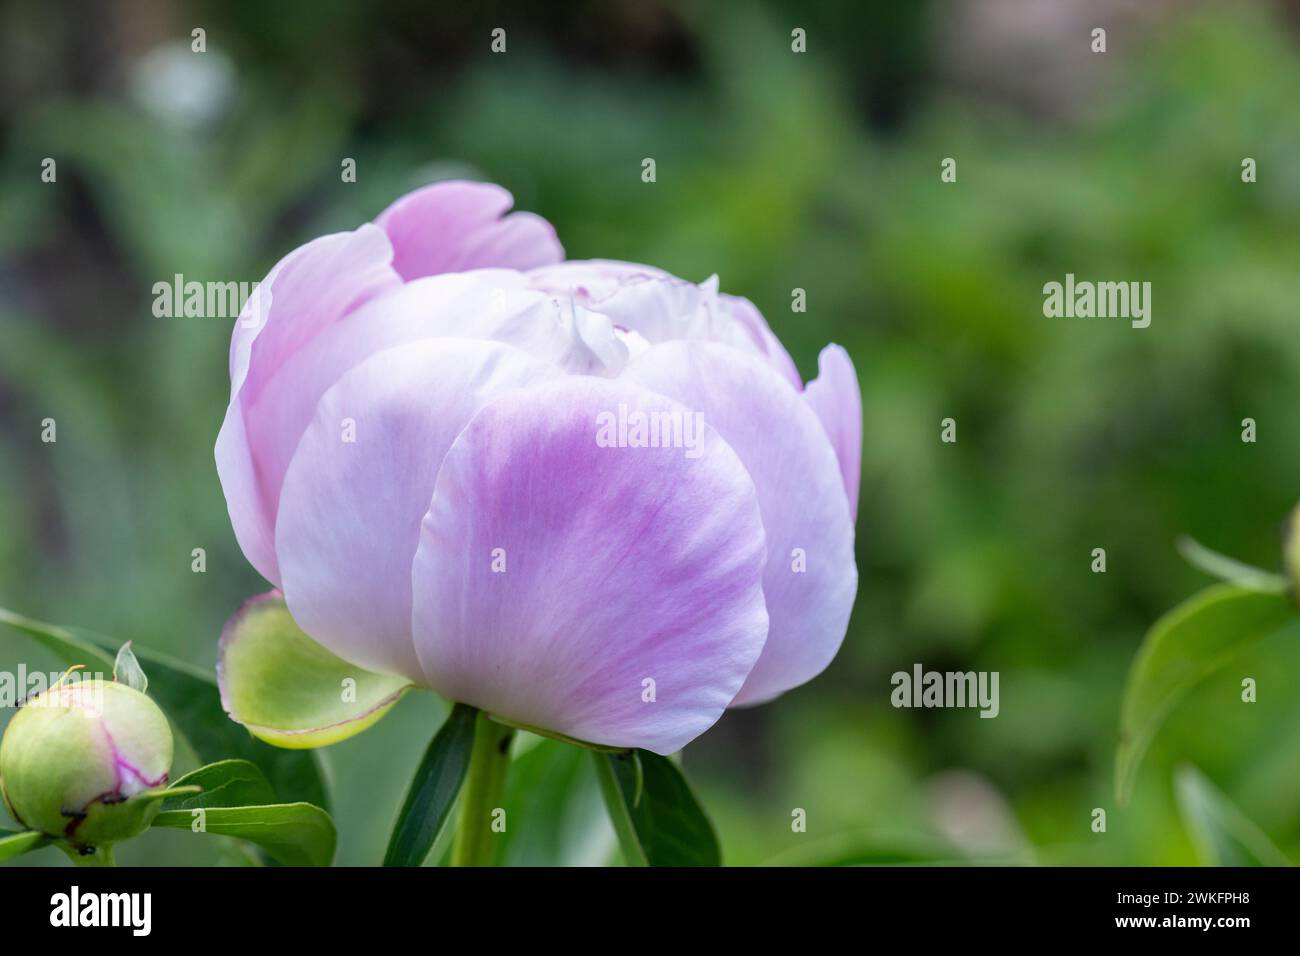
[[586, 497]]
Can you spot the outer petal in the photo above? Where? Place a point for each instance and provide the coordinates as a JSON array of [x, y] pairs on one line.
[[487, 304], [444, 227], [836, 398], [622, 565], [253, 522], [306, 292], [805, 511], [457, 226], [350, 510], [311, 288]]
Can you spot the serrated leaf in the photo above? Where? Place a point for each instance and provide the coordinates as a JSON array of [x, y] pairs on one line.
[[295, 834], [1183, 648], [655, 815]]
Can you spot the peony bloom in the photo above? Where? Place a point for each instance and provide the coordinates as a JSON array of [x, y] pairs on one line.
[[587, 497]]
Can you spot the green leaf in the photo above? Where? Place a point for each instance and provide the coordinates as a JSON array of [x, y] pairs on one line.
[[1183, 648], [553, 786], [190, 699], [866, 848], [290, 691], [127, 670], [295, 834], [657, 818], [433, 790], [14, 844], [61, 641], [1223, 835], [226, 783]]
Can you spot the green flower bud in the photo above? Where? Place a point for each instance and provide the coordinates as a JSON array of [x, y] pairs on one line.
[[73, 757]]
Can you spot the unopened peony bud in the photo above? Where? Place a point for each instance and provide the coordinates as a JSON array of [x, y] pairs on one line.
[[72, 758]]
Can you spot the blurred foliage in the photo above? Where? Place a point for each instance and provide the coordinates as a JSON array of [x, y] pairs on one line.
[[775, 171]]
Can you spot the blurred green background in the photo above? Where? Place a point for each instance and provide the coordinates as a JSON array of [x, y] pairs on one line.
[[776, 170]]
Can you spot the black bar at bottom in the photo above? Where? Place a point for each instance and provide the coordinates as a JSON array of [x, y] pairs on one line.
[[341, 906]]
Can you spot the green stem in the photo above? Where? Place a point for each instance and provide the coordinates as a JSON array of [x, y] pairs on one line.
[[616, 804], [485, 784], [1231, 570]]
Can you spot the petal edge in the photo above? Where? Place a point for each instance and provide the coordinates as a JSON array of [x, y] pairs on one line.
[[622, 565], [287, 689]]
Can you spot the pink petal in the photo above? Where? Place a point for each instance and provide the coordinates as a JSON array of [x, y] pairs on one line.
[[251, 520], [836, 398], [800, 492], [305, 293], [487, 303], [623, 565], [310, 289], [747, 314], [350, 512], [443, 227], [457, 226]]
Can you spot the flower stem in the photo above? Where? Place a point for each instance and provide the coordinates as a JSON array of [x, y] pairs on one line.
[[481, 797]]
